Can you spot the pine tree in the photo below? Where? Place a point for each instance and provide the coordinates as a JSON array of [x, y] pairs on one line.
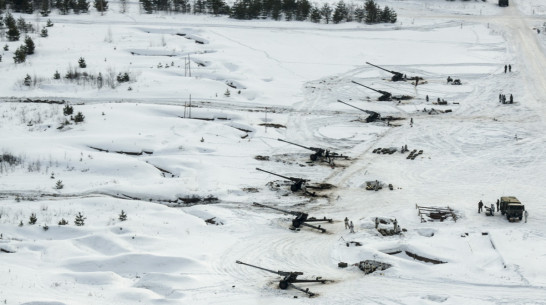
[[303, 8], [59, 185], [32, 220], [79, 117], [68, 110], [63, 222], [276, 9], [315, 15], [199, 7], [80, 220], [49, 23], [289, 9], [360, 14], [101, 5], [20, 55], [326, 12], [45, 10], [147, 6], [340, 12], [29, 45], [44, 33], [122, 216], [372, 12], [13, 32], [386, 15]]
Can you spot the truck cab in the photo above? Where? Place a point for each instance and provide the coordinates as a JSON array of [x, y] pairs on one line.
[[512, 207]]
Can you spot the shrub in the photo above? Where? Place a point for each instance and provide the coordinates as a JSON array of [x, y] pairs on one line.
[[122, 216], [32, 220], [79, 117], [81, 62], [59, 185]]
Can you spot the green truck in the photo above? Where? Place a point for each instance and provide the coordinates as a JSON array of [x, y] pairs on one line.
[[511, 207]]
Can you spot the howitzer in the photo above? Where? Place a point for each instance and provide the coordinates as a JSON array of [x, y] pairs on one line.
[[289, 278], [385, 96], [397, 76], [298, 182], [301, 218], [374, 116], [319, 153]]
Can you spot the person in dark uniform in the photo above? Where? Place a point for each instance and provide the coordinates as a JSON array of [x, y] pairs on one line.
[[480, 206]]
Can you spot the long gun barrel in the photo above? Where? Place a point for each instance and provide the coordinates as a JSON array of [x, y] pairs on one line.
[[283, 273], [396, 75], [373, 115], [379, 91], [277, 209], [367, 111], [285, 177], [309, 148]]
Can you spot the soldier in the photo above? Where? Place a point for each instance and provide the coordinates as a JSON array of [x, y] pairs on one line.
[[492, 209], [511, 99], [376, 222], [346, 223], [509, 68], [525, 214], [352, 227], [505, 67], [480, 206], [395, 223], [411, 122], [498, 203]]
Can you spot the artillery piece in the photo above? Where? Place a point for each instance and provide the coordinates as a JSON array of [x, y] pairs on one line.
[[385, 96], [396, 76], [289, 278], [296, 186], [374, 116], [301, 218], [324, 155]]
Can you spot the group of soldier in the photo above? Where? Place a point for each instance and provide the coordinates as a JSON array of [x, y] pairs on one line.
[[507, 67], [502, 99], [349, 225]]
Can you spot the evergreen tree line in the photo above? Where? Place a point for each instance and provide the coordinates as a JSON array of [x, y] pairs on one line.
[[299, 10], [45, 6]]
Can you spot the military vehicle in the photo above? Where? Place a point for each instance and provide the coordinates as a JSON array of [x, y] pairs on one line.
[[512, 207], [289, 278], [503, 3]]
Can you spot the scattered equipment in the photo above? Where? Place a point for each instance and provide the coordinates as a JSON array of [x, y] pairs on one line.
[[296, 186], [301, 218], [289, 278], [512, 207], [435, 213], [324, 155], [374, 116]]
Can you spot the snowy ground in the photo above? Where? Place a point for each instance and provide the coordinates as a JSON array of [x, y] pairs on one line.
[[139, 151]]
